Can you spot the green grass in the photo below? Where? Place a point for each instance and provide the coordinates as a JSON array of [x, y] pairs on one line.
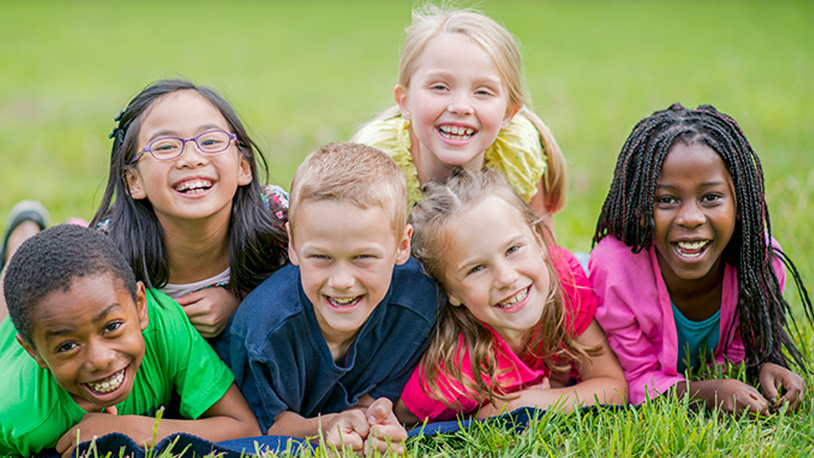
[[304, 73]]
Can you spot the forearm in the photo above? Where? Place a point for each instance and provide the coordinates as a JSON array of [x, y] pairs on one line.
[[598, 390], [292, 424]]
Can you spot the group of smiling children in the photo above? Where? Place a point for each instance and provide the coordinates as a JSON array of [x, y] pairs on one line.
[[351, 339]]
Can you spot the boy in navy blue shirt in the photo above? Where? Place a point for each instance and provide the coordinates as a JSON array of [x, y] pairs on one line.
[[326, 344]]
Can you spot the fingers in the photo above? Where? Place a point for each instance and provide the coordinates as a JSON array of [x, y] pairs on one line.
[[66, 443], [379, 411], [378, 446], [348, 431]]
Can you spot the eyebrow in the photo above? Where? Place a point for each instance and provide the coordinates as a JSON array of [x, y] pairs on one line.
[[449, 74], [172, 133], [53, 334], [703, 185]]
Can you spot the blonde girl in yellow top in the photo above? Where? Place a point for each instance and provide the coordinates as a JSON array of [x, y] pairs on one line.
[[461, 102]]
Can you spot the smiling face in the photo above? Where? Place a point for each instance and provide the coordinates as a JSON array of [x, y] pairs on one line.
[[194, 185], [90, 338], [456, 102], [495, 266], [346, 256], [694, 214]]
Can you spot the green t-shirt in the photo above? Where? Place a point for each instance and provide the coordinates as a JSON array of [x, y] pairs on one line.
[[35, 412]]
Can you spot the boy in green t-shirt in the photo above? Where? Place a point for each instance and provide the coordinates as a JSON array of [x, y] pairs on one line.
[[103, 356]]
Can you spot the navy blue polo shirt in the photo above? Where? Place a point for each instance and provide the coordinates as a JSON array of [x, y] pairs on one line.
[[282, 362]]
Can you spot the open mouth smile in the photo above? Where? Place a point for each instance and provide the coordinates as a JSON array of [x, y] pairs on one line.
[[196, 186], [343, 302], [514, 300], [107, 385], [456, 132], [691, 249]]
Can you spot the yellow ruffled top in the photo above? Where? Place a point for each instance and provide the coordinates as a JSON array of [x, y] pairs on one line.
[[516, 153]]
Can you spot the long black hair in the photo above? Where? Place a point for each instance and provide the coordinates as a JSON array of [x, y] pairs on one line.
[[628, 215], [257, 239]]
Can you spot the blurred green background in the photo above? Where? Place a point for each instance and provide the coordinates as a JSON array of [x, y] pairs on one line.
[[305, 73]]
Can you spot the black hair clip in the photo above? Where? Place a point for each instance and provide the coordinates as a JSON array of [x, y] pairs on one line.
[[118, 132]]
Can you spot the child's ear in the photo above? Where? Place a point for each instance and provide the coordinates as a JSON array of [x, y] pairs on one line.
[[244, 173], [400, 94], [134, 184], [507, 118], [454, 301], [292, 253], [141, 305], [32, 352], [403, 249]]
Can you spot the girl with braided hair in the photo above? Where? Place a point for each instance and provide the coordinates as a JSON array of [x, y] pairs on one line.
[[686, 270]]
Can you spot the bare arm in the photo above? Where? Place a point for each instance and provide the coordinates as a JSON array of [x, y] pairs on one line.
[[603, 382], [229, 418], [209, 309]]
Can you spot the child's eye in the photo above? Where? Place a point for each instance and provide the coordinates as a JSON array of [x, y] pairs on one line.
[[711, 197], [438, 87], [484, 92], [512, 249], [475, 269], [665, 200], [66, 347], [112, 326]]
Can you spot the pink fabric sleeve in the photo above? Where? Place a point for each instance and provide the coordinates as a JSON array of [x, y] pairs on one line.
[[631, 315], [581, 301], [425, 407]]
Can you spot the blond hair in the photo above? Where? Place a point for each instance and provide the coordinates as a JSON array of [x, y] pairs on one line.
[[549, 339], [355, 173], [430, 20]]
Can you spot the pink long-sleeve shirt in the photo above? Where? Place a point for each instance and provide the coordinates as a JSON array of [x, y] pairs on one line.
[[637, 316], [514, 372]]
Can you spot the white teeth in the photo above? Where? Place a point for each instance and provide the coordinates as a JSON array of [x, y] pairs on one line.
[[194, 186], [109, 384], [456, 132], [519, 296], [691, 249], [343, 301]]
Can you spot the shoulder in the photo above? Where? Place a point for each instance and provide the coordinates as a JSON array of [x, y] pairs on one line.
[[518, 155], [165, 314], [611, 259], [580, 301], [412, 289], [272, 302], [31, 406]]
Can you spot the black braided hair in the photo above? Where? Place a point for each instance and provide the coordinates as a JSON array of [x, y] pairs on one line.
[[627, 214]]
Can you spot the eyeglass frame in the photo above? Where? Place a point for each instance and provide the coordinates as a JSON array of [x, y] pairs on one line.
[[148, 148]]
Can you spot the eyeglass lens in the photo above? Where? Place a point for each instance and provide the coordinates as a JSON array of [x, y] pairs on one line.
[[213, 141]]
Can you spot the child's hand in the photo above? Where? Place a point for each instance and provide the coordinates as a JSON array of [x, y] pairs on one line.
[[384, 428], [776, 381], [347, 430], [98, 424], [209, 309], [731, 396]]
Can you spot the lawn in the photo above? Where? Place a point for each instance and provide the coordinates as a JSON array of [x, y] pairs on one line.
[[305, 73]]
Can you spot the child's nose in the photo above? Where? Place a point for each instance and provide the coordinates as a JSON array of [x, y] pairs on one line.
[[100, 356], [690, 215], [461, 105], [191, 154], [340, 279], [505, 275]]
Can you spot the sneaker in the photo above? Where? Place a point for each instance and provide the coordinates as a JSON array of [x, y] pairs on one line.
[[24, 210]]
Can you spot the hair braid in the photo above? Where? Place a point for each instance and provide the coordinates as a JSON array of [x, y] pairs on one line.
[[627, 214]]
